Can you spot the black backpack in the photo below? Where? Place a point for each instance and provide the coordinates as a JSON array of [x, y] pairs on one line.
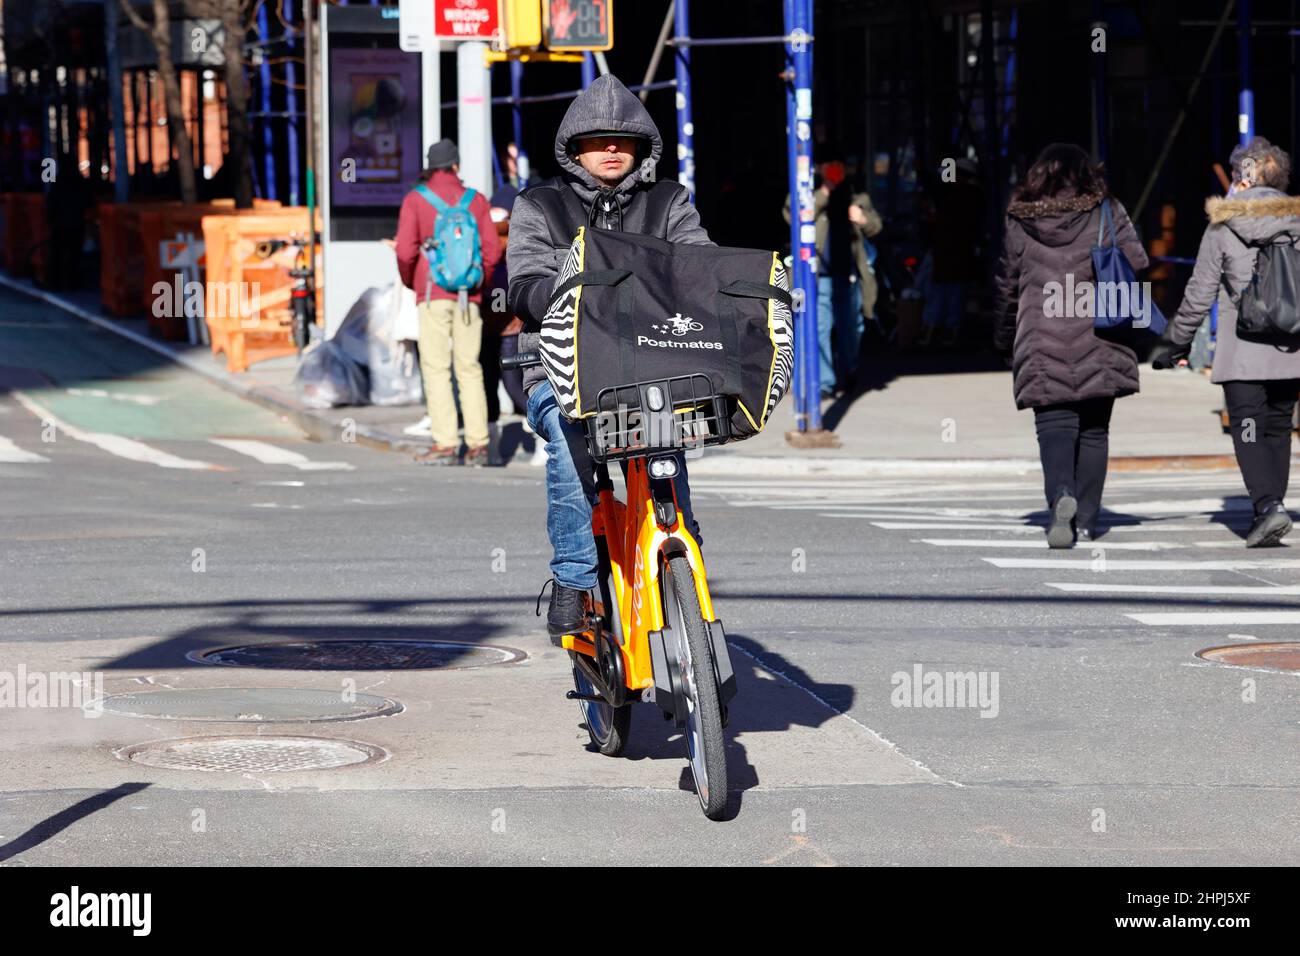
[[1269, 306]]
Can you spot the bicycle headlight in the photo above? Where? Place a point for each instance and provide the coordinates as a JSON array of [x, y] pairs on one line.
[[654, 397], [663, 467]]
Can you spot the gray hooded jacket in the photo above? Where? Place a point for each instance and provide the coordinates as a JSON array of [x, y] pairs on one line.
[[532, 258], [1226, 259]]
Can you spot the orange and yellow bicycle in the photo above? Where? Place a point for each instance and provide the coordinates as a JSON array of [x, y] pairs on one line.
[[653, 636]]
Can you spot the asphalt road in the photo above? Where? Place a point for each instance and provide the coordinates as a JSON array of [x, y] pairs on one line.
[[1101, 737]]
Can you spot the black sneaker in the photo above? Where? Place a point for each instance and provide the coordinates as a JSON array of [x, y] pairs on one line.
[[1061, 532], [1086, 535], [1269, 528], [567, 613]]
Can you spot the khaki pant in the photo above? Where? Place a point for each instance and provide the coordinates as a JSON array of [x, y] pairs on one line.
[[447, 339]]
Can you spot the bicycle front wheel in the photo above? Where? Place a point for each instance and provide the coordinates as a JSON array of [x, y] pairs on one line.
[[705, 746]]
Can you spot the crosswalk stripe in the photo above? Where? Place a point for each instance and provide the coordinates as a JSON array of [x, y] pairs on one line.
[[269, 454], [955, 526], [1215, 618], [1122, 564], [1144, 528], [1042, 543], [1196, 589], [12, 454], [117, 445]]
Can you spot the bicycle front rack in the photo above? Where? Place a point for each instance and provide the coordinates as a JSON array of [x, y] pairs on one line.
[[679, 413]]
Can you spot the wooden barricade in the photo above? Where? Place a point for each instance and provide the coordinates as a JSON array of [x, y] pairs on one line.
[[246, 301]]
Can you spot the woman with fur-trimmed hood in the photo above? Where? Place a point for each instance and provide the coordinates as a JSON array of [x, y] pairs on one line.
[[1062, 369], [1260, 377]]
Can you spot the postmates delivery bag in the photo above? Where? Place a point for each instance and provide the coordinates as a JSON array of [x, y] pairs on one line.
[[633, 308]]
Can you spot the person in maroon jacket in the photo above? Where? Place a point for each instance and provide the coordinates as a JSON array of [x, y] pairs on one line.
[[449, 336]]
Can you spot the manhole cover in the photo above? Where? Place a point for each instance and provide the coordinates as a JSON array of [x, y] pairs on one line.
[[252, 754], [256, 705], [362, 655], [1278, 657]]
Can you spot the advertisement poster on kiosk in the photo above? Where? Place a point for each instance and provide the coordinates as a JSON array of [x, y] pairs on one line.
[[375, 99]]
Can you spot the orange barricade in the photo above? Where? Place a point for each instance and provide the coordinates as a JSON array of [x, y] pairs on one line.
[[26, 234], [246, 303], [129, 262]]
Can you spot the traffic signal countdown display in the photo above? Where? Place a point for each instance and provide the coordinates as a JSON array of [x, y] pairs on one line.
[[561, 25]]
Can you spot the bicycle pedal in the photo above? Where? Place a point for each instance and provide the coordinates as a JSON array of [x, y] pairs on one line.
[[580, 643]]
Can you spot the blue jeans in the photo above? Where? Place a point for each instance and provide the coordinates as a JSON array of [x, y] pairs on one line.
[[839, 307], [571, 492]]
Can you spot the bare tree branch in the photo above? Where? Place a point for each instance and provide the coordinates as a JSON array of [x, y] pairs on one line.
[[140, 23]]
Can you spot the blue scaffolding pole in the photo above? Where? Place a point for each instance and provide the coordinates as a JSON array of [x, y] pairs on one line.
[[685, 124], [1246, 98], [291, 103], [516, 108], [803, 228], [268, 136]]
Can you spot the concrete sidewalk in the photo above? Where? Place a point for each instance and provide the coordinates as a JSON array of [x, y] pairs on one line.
[[917, 415]]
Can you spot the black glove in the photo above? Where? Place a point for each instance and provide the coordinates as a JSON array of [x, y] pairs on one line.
[[1168, 355]]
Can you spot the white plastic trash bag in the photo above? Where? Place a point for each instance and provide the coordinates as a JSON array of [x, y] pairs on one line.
[[328, 377]]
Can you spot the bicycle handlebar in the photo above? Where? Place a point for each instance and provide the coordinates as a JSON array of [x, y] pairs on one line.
[[520, 360]]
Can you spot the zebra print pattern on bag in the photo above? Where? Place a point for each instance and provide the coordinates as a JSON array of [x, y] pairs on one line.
[[556, 345], [779, 322]]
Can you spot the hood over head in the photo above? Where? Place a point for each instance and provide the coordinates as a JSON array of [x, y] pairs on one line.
[[1257, 215], [1057, 220], [607, 106]]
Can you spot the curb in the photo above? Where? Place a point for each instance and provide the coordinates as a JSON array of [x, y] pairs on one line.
[[321, 429]]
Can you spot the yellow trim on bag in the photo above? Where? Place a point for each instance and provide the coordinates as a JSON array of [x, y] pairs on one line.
[[581, 240], [771, 336]]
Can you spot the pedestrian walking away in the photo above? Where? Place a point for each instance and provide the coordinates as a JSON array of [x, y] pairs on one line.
[[846, 281], [1259, 370], [446, 245], [607, 146], [1063, 369]]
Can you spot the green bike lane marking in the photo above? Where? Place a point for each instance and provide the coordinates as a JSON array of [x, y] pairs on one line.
[[103, 383]]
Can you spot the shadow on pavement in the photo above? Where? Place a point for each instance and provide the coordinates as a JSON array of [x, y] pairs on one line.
[[65, 818], [761, 705]]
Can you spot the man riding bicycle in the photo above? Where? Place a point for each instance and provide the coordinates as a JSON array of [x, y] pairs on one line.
[[607, 147]]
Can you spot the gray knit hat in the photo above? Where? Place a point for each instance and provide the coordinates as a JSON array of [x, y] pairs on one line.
[[443, 154]]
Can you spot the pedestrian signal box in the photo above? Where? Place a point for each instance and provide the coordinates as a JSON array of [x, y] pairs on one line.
[[572, 25], [521, 23]]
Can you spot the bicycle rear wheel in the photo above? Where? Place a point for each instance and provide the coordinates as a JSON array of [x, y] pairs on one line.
[[705, 746]]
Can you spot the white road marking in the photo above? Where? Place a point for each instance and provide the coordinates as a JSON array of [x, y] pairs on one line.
[[275, 455], [1215, 618], [118, 445], [116, 396], [1121, 564], [955, 526], [1007, 543], [940, 525], [1196, 589], [12, 454]]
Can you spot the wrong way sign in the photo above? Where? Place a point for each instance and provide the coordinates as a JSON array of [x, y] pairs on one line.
[[465, 19]]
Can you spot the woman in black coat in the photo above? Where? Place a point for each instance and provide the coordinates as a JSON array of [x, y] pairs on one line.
[[1062, 369]]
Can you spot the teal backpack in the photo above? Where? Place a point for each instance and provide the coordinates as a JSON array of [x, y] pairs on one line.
[[453, 252]]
